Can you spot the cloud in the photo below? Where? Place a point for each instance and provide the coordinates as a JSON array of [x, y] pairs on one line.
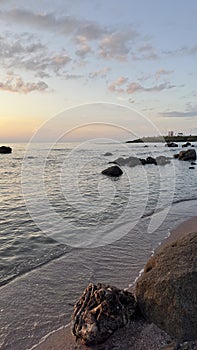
[[72, 76], [18, 85], [83, 46], [144, 52], [117, 45], [162, 72], [116, 85], [134, 87], [66, 25], [190, 111], [100, 73], [27, 52], [175, 114], [185, 50]]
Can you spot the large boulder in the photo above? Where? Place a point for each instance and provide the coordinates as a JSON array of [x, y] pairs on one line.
[[5, 149], [100, 311], [113, 171], [190, 155], [166, 292]]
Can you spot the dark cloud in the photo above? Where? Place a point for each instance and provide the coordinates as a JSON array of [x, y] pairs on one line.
[[18, 85], [66, 25]]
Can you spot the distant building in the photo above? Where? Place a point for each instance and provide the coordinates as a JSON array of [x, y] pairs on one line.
[[180, 134], [170, 133]]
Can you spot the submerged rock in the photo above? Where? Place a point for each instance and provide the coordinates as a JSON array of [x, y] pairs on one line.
[[130, 161], [151, 160], [100, 311], [186, 144], [134, 161], [5, 149], [166, 292], [190, 154], [107, 154], [171, 144], [113, 171], [162, 160]]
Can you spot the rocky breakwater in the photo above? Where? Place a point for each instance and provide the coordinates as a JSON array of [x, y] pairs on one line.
[[134, 161], [100, 311], [166, 292], [5, 150]]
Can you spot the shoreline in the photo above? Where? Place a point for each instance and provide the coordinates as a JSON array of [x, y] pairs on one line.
[[138, 335]]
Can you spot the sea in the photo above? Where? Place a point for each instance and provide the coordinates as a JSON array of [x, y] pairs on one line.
[[64, 225]]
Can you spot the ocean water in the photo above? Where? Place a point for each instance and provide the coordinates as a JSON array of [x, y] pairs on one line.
[[64, 224]]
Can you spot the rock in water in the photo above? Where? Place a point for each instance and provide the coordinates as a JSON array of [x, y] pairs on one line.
[[166, 292], [190, 154], [108, 154], [171, 144], [187, 144], [162, 160], [114, 171], [100, 311], [5, 149]]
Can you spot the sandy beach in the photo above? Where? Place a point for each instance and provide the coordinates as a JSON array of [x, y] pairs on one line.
[[138, 335]]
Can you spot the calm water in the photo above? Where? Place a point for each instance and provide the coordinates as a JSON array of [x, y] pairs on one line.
[[64, 224]]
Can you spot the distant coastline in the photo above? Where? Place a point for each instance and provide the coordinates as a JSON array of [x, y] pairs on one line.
[[164, 139]]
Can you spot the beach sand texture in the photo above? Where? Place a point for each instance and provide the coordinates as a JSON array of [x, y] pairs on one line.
[[138, 335]]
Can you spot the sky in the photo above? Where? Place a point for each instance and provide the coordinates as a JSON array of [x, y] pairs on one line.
[[58, 55]]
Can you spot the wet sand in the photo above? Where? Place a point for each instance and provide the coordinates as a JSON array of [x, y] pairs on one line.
[[138, 335]]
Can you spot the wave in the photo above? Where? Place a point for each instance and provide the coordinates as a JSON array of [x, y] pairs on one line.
[[177, 201], [23, 268]]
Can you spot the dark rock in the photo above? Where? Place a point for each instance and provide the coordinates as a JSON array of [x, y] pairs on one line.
[[193, 163], [130, 161], [114, 171], [100, 311], [166, 291], [186, 144], [108, 154], [191, 167], [190, 154], [171, 144], [151, 160], [145, 145], [142, 161], [176, 155], [5, 149]]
